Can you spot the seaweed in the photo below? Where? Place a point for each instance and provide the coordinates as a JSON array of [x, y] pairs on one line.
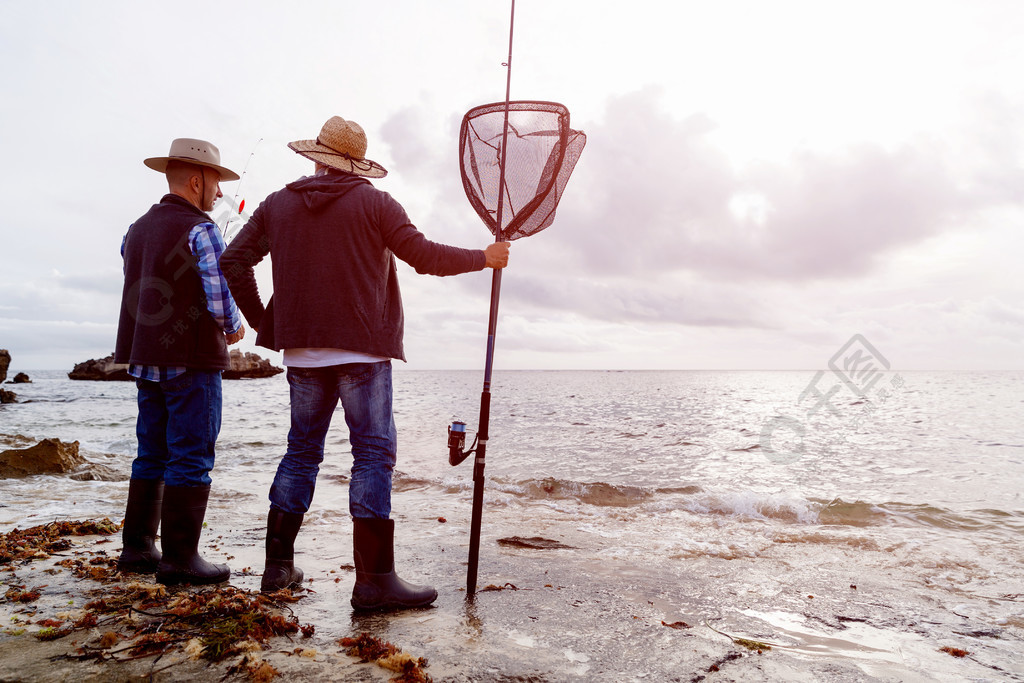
[[755, 645], [954, 651], [14, 594], [533, 543], [388, 656], [51, 633], [39, 542], [254, 668], [676, 624], [492, 587]]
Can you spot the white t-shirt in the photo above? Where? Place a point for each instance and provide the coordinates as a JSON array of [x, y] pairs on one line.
[[321, 358]]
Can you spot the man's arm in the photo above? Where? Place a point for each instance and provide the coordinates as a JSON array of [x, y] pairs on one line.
[[207, 245], [432, 258], [248, 248]]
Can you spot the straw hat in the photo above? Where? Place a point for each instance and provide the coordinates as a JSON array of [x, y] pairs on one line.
[[342, 146], [198, 152]]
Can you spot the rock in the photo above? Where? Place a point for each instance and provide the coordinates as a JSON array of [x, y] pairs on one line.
[[243, 366], [21, 378], [249, 366], [104, 369], [5, 362], [49, 456], [8, 396], [94, 472], [53, 456]]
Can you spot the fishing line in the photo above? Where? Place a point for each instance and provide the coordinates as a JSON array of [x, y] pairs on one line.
[[238, 188]]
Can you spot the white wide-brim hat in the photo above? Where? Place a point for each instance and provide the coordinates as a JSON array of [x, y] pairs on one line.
[[341, 145], [192, 151]]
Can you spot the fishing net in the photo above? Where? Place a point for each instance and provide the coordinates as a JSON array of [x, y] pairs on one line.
[[541, 151]]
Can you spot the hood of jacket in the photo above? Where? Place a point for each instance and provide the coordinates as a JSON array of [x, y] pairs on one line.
[[320, 191]]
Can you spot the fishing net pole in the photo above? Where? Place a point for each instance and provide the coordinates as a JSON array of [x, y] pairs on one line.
[[515, 158]]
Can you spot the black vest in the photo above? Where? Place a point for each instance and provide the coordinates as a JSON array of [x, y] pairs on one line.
[[164, 320]]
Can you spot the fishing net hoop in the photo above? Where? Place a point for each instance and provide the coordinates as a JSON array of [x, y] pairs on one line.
[[540, 154]]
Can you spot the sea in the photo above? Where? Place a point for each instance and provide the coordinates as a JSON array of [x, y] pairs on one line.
[[863, 524]]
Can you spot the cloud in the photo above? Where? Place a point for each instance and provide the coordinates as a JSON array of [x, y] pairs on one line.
[[75, 298], [654, 194]]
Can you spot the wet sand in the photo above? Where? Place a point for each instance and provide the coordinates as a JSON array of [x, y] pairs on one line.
[[566, 614]]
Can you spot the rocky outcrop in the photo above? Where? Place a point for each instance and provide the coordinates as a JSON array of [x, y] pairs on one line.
[[5, 362], [104, 369], [243, 366], [21, 378], [52, 456], [250, 366], [8, 396], [49, 456]]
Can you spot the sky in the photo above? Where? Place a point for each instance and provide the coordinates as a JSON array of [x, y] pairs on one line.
[[761, 181]]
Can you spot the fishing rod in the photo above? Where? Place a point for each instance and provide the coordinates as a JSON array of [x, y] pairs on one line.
[[239, 207], [512, 204], [492, 327]]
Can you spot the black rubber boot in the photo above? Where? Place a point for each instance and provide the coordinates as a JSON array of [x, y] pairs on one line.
[[182, 518], [280, 571], [139, 553], [378, 587]]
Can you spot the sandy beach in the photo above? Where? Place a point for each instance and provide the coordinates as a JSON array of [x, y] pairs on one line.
[[562, 614]]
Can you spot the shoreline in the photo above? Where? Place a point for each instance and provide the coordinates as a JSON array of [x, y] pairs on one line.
[[716, 541], [562, 615]]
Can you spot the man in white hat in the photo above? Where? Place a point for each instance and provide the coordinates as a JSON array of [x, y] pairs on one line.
[[177, 318], [336, 312]]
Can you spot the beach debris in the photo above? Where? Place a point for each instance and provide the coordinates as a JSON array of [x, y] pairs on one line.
[[748, 643], [41, 541], [19, 594], [755, 645], [442, 520], [954, 651], [676, 624], [717, 666], [253, 667], [141, 619], [492, 587], [52, 633], [388, 656], [533, 542]]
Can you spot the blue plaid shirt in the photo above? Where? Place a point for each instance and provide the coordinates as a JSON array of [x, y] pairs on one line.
[[206, 244]]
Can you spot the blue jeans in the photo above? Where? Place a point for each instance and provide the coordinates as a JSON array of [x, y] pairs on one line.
[[178, 424], [365, 392]]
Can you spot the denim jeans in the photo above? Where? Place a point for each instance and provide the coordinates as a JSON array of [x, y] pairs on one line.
[[365, 392], [178, 424]]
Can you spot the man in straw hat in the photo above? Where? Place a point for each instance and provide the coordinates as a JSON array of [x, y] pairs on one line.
[[177, 318], [336, 312]]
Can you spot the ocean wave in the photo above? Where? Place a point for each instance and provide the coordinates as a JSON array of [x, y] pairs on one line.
[[741, 504], [599, 493], [754, 505], [864, 514]]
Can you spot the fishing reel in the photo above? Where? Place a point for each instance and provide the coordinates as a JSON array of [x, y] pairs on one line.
[[457, 441]]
